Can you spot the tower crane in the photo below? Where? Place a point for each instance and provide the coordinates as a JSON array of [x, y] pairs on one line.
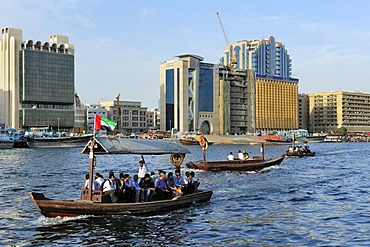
[[233, 59]]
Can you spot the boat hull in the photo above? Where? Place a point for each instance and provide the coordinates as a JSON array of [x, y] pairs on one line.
[[56, 142], [235, 165], [54, 208], [6, 144], [300, 155]]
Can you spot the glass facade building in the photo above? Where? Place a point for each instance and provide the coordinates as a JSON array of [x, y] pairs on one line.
[[189, 95], [265, 57], [37, 83], [46, 86]]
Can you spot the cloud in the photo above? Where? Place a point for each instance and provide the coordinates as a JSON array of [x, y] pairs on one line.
[[145, 12], [84, 21]]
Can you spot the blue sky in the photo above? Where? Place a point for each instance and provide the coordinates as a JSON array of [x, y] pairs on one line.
[[120, 44]]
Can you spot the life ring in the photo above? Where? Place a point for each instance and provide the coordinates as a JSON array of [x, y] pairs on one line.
[[203, 143], [176, 159]]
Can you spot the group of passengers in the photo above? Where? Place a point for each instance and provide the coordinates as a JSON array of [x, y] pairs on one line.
[[299, 150], [241, 156], [144, 186]]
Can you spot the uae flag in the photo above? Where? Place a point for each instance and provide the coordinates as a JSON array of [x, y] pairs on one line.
[[104, 123]]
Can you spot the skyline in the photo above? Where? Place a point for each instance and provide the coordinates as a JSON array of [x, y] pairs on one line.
[[123, 43]]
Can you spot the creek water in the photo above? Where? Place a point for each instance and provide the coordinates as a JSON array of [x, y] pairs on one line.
[[314, 201]]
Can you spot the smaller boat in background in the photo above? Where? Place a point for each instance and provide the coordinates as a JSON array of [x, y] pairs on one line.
[[310, 154], [188, 140], [333, 138], [5, 141], [299, 151], [276, 139]]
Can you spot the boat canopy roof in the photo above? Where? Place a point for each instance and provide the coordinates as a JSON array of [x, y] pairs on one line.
[[109, 145]]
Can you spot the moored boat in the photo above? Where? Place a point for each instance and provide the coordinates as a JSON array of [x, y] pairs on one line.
[[92, 201], [56, 142], [6, 142]]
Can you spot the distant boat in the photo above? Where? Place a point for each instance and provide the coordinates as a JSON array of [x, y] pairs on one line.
[[276, 139], [333, 138], [5, 141], [299, 155], [56, 142]]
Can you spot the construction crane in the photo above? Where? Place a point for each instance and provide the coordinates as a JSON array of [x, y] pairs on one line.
[[233, 60]]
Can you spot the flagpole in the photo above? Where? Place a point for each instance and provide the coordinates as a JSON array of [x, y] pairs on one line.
[[94, 123]]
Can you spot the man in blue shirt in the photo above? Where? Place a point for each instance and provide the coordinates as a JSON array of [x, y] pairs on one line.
[[161, 187]]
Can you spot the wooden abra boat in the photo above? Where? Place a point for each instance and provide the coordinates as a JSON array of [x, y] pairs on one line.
[[92, 202], [54, 208], [256, 164]]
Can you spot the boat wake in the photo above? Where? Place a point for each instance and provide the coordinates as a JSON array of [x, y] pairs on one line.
[[45, 221]]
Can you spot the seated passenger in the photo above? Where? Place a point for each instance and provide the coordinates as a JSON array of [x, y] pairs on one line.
[[147, 187], [98, 182], [173, 188], [121, 188], [240, 155], [177, 178], [87, 182], [184, 182], [109, 187], [246, 155], [161, 187], [130, 189], [195, 181], [231, 156], [136, 185]]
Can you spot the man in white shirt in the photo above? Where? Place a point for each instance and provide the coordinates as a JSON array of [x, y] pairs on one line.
[[240, 155], [109, 187], [143, 169], [231, 156], [98, 182], [87, 182]]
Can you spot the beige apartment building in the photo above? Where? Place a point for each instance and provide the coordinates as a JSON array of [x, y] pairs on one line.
[[131, 117], [333, 110], [303, 111], [276, 103]]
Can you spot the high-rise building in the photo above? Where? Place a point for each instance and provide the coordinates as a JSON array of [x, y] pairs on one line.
[[329, 111], [276, 103], [264, 56], [36, 81], [215, 99], [189, 95]]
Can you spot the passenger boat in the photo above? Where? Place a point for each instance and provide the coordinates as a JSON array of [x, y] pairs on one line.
[[249, 165], [92, 201], [305, 152], [257, 163]]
